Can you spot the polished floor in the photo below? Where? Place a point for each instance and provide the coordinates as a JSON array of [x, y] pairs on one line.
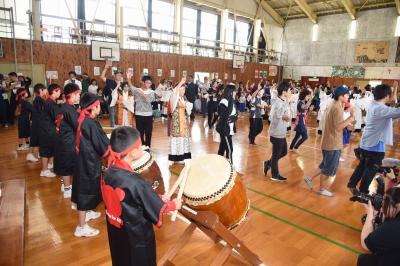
[[289, 224]]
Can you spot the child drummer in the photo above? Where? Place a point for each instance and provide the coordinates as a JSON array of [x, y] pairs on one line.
[[132, 206]]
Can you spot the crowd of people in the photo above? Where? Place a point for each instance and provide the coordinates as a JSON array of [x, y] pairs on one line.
[[60, 126]]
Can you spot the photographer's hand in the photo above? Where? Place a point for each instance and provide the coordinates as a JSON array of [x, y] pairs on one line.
[[369, 224]]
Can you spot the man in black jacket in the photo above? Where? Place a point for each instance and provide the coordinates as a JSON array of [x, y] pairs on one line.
[[192, 90]]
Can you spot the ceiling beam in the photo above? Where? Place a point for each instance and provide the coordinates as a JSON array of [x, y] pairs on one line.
[[397, 6], [348, 5], [307, 10], [267, 8]]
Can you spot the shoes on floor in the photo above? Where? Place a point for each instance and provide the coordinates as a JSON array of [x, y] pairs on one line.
[[309, 182], [47, 173], [85, 231], [325, 192], [31, 158], [91, 215], [266, 167], [278, 178]]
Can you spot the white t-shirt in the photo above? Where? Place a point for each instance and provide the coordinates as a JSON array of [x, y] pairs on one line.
[[75, 81], [93, 89]]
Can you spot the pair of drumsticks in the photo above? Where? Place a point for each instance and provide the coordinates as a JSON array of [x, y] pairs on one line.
[[181, 182]]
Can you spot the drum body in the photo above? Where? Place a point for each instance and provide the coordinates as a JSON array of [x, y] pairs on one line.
[[149, 170], [213, 185]]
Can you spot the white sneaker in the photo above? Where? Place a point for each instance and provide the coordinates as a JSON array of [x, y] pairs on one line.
[[47, 173], [21, 148], [67, 192], [31, 158], [26, 146], [50, 166], [325, 192], [86, 231], [91, 215]]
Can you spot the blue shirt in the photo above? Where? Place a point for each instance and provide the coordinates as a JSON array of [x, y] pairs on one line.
[[379, 125], [380, 147]]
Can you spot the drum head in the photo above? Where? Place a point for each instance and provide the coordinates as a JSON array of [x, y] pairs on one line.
[[143, 162], [210, 177]]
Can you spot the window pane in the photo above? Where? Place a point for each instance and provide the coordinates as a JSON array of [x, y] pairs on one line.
[[230, 34], [189, 30], [242, 33], [21, 19], [58, 29], [135, 14], [163, 15]]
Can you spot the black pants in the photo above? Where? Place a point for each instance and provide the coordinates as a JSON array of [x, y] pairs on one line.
[[203, 107], [225, 147], [145, 126], [256, 127], [193, 111], [3, 112], [279, 150], [365, 169], [299, 138], [212, 118]]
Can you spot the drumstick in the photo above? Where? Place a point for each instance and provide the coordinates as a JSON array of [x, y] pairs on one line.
[[175, 186], [181, 188]]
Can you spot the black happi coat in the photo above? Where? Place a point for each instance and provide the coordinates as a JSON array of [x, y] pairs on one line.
[[64, 152], [24, 123], [47, 135], [86, 183], [37, 114], [132, 241]]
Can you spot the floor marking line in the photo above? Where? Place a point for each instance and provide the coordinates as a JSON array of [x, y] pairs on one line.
[[304, 210], [297, 207], [306, 230]]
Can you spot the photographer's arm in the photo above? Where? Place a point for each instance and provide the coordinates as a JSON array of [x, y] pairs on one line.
[[368, 225]]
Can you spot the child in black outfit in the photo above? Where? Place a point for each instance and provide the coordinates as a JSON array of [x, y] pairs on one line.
[[47, 135], [91, 146], [132, 206], [24, 109]]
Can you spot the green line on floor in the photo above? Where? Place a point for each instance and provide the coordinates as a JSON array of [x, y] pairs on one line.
[[304, 210], [306, 230], [297, 207]]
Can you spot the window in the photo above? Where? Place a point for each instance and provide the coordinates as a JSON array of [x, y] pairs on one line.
[[163, 19], [397, 31], [242, 34], [58, 29], [135, 23], [353, 29], [314, 32], [21, 19], [189, 26], [101, 13], [208, 32]]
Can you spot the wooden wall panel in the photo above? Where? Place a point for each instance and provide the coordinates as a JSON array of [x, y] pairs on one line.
[[63, 58]]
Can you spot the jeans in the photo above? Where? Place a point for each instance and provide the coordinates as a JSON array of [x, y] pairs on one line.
[[365, 169], [296, 142], [111, 110], [279, 150], [144, 125], [225, 147]]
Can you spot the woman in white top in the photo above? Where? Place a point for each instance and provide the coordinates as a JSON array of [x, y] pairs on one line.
[[93, 87]]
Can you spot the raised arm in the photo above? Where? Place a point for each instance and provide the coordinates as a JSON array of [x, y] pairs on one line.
[[106, 67]]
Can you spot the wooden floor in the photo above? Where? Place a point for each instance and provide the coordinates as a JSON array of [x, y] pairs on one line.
[[289, 224]]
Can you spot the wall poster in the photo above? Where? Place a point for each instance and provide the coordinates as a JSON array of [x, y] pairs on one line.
[[371, 52]]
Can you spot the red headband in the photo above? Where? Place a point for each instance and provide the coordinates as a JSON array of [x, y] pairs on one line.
[[22, 95], [82, 114], [68, 101], [116, 156]]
